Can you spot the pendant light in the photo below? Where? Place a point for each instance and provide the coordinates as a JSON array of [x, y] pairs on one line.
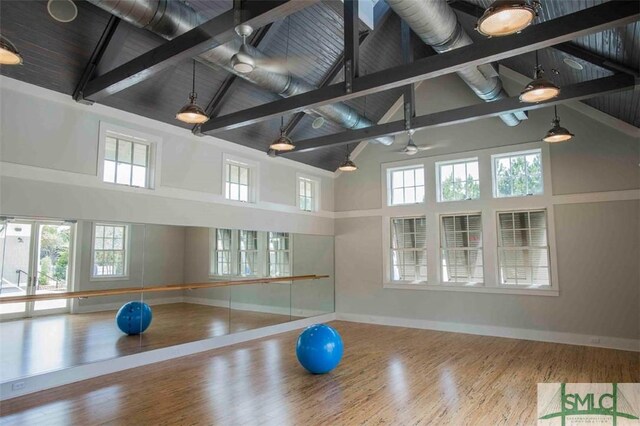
[[505, 17], [540, 89], [242, 61], [348, 165], [557, 133], [192, 113], [283, 143], [9, 55]]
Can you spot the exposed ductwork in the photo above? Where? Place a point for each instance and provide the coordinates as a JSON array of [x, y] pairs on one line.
[[169, 19], [435, 22]]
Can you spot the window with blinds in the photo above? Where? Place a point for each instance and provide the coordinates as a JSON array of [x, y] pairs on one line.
[[278, 254], [461, 248], [409, 249], [517, 174], [223, 252], [248, 253], [405, 185], [523, 250]]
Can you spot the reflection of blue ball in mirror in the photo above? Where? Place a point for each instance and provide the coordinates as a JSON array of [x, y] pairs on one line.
[[319, 348], [134, 317]]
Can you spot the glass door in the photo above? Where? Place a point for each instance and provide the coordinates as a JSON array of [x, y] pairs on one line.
[[36, 259]]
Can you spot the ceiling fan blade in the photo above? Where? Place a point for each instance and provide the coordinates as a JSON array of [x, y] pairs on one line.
[[282, 65]]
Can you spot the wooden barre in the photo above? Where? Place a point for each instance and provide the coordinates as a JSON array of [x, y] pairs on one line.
[[170, 287]]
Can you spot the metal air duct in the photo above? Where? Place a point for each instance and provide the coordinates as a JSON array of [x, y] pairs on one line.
[[170, 18], [435, 22]]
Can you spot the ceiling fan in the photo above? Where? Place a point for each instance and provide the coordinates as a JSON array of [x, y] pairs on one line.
[[411, 148]]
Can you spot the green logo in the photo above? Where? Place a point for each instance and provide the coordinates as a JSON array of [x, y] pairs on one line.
[[590, 400]]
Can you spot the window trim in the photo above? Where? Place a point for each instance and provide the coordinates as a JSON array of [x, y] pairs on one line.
[[494, 183], [388, 170], [254, 177], [127, 252], [316, 189], [482, 249], [154, 154], [438, 183], [386, 253]]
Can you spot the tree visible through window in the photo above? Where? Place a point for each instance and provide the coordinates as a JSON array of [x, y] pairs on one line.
[[518, 174], [459, 180], [109, 250]]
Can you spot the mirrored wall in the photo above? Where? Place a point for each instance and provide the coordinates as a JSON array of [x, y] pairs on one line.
[[187, 275]]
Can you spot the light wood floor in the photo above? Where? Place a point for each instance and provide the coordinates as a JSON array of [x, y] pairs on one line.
[[40, 344], [393, 376]]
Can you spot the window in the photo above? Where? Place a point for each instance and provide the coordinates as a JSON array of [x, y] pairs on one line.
[[222, 253], [405, 185], [248, 253], [278, 259], [461, 248], [110, 251], [408, 249], [307, 194], [126, 162], [523, 250], [458, 180], [517, 174], [237, 182]]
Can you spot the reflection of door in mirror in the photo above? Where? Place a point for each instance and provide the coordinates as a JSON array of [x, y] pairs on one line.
[[35, 259]]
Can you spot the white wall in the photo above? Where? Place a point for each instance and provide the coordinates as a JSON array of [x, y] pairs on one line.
[[597, 242], [49, 169]]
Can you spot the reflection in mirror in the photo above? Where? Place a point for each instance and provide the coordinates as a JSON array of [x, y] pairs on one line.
[[189, 276]]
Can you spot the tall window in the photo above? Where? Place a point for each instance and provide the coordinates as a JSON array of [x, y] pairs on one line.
[[406, 185], [306, 194], [109, 250], [523, 250], [223, 252], [408, 249], [248, 253], [461, 247], [458, 180], [237, 182], [126, 162], [278, 259], [518, 174]]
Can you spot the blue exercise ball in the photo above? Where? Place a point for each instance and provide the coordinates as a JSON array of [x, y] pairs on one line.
[[319, 348], [134, 317]]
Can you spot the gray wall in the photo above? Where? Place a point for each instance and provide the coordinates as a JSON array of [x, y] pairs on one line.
[[597, 243]]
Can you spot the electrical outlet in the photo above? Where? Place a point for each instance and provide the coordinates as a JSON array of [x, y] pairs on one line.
[[18, 386]]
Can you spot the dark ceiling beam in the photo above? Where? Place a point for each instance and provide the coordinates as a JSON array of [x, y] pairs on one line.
[[572, 49], [556, 31], [351, 43], [409, 93], [94, 60], [338, 65], [575, 92], [214, 105], [207, 36]]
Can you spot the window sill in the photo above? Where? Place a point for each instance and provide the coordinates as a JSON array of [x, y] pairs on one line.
[[112, 278], [406, 204], [531, 291], [125, 187]]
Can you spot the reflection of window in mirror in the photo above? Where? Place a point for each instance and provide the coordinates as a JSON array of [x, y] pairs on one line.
[[279, 254], [110, 251], [221, 263]]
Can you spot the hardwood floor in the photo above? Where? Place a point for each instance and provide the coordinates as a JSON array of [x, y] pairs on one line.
[[388, 375], [40, 344]]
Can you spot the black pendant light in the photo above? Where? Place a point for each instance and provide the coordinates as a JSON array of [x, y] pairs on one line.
[[283, 143], [539, 89], [9, 55], [348, 165], [192, 113], [557, 133], [505, 17]]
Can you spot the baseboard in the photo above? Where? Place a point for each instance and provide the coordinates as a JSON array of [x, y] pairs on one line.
[[279, 310], [39, 382], [509, 332], [114, 306]]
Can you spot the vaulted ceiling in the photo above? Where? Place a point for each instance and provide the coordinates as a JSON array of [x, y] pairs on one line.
[[55, 55]]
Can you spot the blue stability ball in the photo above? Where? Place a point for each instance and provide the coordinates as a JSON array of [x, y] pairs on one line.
[[319, 348], [134, 317]]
